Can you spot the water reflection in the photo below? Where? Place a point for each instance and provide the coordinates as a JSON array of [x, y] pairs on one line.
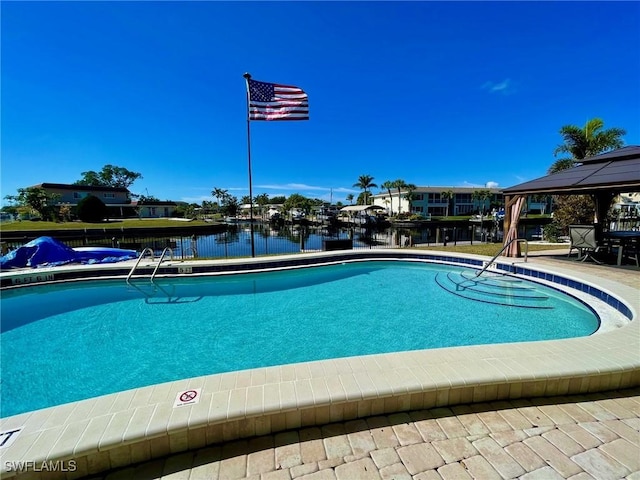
[[269, 239]]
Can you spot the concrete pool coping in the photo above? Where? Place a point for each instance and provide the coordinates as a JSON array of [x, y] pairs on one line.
[[124, 428]]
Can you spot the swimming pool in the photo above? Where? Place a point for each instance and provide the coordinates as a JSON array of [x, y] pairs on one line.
[[128, 427], [64, 343]]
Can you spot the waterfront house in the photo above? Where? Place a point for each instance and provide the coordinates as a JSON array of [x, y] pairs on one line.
[[429, 201], [117, 199], [155, 208]]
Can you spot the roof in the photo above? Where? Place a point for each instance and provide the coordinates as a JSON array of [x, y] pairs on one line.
[[624, 153], [154, 203], [394, 191], [85, 188], [615, 171], [361, 208]]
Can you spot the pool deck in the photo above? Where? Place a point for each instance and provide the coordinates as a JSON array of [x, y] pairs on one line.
[[556, 409], [580, 437]]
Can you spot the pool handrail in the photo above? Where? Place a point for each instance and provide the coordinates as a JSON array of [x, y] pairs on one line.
[[492, 261], [155, 270], [148, 249]]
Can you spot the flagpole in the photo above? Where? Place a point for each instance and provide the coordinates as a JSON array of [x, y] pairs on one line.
[[247, 76]]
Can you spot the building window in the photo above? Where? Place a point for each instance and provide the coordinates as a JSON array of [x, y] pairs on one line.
[[109, 195], [78, 195], [434, 198]]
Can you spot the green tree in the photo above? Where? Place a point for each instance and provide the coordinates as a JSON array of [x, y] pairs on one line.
[[278, 200], [219, 193], [580, 143], [400, 185], [388, 185], [262, 200], [585, 142], [36, 199], [481, 196], [296, 200], [65, 212], [147, 199], [363, 198], [540, 199], [208, 207], [365, 183], [229, 204], [186, 210], [573, 209], [109, 176], [409, 195], [10, 209], [349, 198], [447, 195], [91, 209]]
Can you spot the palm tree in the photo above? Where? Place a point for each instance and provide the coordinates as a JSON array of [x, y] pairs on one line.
[[409, 196], [365, 182], [388, 185], [585, 142], [539, 199], [399, 184], [481, 196], [349, 198], [447, 195], [219, 193], [261, 200]]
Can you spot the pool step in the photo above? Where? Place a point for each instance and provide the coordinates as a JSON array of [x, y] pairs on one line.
[[492, 288]]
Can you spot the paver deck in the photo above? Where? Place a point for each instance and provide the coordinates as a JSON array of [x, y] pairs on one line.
[[594, 436]]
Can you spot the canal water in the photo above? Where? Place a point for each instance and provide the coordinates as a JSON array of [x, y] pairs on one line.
[[237, 241]]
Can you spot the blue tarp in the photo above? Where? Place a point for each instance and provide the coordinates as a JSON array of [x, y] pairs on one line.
[[48, 252]]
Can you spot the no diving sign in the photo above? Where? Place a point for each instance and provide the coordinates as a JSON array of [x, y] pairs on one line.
[[187, 397]]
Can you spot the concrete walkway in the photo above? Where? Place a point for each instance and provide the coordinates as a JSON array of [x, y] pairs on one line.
[[595, 436]]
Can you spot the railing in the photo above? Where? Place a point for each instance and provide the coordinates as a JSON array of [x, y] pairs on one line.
[[492, 261], [146, 250], [155, 270], [274, 240]]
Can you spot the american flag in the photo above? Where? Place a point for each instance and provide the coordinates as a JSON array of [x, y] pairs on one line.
[[271, 101]]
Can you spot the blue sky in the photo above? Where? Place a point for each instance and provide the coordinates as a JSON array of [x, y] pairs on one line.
[[434, 93]]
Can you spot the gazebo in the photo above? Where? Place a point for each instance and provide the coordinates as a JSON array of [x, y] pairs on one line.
[[602, 176]]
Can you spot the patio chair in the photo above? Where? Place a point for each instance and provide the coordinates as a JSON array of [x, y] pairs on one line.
[[584, 240]]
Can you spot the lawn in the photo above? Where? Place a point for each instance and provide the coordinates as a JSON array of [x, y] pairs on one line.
[[491, 249], [28, 225]]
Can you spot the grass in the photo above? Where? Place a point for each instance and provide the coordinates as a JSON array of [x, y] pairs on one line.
[[491, 249], [486, 217], [28, 225]]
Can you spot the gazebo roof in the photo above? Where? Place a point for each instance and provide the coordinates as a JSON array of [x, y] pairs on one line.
[[614, 171]]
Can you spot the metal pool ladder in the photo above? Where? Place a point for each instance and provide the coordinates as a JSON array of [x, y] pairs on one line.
[[155, 270], [492, 261]]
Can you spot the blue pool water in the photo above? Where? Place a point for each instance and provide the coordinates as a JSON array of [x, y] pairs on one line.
[[63, 343]]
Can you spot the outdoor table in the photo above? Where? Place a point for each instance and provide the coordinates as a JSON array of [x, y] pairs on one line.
[[622, 238]]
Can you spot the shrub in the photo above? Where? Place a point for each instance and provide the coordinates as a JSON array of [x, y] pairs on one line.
[[552, 232], [91, 209]]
